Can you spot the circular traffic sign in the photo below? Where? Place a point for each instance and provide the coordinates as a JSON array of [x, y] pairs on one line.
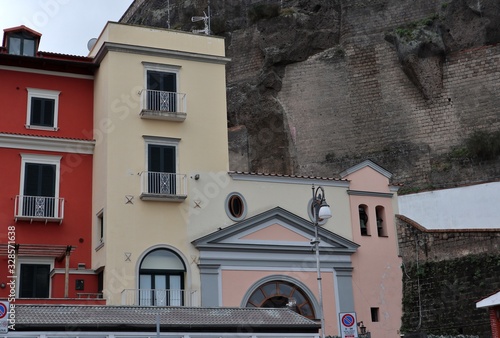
[[348, 320], [3, 310]]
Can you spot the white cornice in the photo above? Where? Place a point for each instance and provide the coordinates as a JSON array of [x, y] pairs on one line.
[[46, 144], [47, 72], [124, 48]]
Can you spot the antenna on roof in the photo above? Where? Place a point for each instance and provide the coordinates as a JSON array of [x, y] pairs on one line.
[[91, 44], [206, 20]]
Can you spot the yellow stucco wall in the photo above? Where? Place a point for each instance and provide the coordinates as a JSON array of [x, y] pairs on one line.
[[133, 228]]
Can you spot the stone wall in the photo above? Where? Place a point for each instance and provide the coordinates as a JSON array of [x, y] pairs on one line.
[[444, 274], [368, 107]]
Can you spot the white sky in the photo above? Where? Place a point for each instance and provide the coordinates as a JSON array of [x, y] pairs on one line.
[[66, 25]]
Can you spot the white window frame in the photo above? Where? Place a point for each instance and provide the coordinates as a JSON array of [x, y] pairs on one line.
[[40, 159], [161, 141], [34, 260], [162, 68], [44, 94]]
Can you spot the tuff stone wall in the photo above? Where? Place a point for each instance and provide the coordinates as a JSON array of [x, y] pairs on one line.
[[367, 107], [323, 85]]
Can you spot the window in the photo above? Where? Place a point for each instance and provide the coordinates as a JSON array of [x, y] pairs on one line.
[[21, 44], [280, 294], [374, 313], [381, 227], [161, 165], [236, 208], [161, 279], [161, 87], [363, 220], [161, 168], [43, 108], [100, 225], [39, 185], [34, 277]]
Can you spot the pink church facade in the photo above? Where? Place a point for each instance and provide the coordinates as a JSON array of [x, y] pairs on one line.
[[267, 260]]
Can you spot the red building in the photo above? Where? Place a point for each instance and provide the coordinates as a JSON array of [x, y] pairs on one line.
[[46, 146]]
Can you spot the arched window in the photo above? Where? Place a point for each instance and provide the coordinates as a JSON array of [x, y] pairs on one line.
[[363, 220], [279, 294], [381, 224], [161, 279]]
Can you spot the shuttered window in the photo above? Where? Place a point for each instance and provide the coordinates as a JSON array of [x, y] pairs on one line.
[[161, 168], [40, 180], [42, 109], [42, 112], [34, 281]]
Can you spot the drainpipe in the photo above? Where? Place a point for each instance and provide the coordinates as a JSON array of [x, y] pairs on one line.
[[66, 272]]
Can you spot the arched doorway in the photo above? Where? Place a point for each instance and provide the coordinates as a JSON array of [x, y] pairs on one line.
[[278, 294], [161, 279]]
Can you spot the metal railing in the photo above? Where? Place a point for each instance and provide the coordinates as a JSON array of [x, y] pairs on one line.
[[157, 183], [159, 297], [39, 208], [161, 101]]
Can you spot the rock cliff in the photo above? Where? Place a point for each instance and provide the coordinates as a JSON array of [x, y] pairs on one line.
[[317, 86]]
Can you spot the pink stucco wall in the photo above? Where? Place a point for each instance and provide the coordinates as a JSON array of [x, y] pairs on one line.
[[377, 267], [276, 232], [235, 283]]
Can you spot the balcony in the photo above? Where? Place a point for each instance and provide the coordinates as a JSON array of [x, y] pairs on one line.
[[159, 297], [168, 187], [161, 105], [38, 209]]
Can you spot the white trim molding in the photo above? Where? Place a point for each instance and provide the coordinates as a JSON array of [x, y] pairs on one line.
[[42, 94], [16, 141]]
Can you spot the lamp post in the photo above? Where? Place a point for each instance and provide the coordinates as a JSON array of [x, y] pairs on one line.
[[321, 210]]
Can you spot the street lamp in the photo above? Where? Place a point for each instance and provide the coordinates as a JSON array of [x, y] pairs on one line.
[[321, 211]]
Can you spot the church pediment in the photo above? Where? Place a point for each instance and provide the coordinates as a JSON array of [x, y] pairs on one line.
[[274, 230]]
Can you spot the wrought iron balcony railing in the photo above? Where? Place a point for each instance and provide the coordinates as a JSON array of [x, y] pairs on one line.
[[159, 297], [39, 208], [163, 186], [161, 105]]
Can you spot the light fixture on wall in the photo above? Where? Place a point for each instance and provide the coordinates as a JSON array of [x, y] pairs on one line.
[[362, 327], [321, 211]]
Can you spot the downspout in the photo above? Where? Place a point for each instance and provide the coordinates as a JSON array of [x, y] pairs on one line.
[[66, 271], [418, 287]]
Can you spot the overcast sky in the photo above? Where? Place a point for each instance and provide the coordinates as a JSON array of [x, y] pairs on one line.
[[66, 25]]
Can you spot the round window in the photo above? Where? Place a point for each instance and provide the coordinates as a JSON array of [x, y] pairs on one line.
[[236, 208]]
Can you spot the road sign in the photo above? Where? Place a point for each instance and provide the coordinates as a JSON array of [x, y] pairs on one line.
[[348, 327], [4, 317]]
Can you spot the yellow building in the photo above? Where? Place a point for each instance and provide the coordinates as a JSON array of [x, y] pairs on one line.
[[159, 112]]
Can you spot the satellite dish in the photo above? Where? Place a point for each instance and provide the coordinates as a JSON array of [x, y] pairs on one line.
[[91, 44]]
